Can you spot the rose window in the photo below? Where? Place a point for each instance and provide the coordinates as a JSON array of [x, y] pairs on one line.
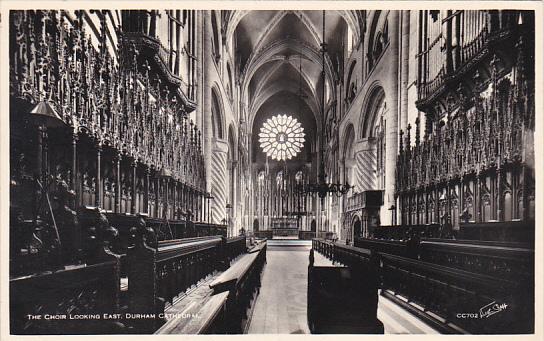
[[281, 137]]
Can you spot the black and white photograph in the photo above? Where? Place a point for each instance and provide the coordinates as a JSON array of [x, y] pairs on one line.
[[257, 170]]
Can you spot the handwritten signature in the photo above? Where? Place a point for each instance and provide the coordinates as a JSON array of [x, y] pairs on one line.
[[492, 308]]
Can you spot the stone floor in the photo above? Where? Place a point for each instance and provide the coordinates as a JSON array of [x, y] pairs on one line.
[[280, 308]]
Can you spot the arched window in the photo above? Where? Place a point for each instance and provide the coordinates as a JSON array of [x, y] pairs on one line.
[[217, 125], [216, 39], [379, 37], [229, 82], [349, 158], [349, 42], [379, 131]]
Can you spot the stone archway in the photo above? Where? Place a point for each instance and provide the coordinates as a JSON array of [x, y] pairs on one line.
[[357, 227], [255, 225]]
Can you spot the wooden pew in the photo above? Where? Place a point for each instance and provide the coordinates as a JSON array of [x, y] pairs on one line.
[[394, 247], [453, 285], [344, 298], [70, 301], [157, 275], [513, 231], [403, 232], [508, 260], [441, 295], [235, 246], [206, 319], [209, 316], [241, 281], [74, 298]]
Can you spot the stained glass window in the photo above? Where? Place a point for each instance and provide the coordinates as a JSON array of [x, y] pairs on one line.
[[281, 137]]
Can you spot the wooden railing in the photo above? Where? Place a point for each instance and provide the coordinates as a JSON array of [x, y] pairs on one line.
[[400, 232], [456, 286], [235, 247], [450, 293], [72, 299], [241, 281], [513, 261], [157, 275], [394, 247], [514, 231]]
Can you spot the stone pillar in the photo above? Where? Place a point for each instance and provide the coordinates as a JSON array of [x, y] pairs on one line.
[[365, 177], [404, 64], [218, 179], [392, 121], [206, 93]]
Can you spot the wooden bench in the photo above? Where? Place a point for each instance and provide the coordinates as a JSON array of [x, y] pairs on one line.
[[508, 260], [87, 290], [204, 319], [235, 246], [455, 277], [344, 298], [241, 281], [520, 231], [394, 247], [438, 294]]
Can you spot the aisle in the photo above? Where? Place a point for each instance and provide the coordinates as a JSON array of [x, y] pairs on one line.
[[281, 305]]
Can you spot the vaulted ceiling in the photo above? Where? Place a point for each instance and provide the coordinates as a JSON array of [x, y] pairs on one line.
[[279, 61]]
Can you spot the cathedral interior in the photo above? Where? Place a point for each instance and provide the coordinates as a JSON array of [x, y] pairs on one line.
[[271, 171]]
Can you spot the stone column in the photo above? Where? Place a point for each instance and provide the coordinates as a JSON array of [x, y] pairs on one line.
[[218, 179], [392, 121], [404, 63], [365, 162], [205, 91]]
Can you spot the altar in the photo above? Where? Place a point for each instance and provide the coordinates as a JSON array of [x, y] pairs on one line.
[[284, 227]]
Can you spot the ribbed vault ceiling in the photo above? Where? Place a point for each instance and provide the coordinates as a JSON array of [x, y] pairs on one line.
[[278, 55]]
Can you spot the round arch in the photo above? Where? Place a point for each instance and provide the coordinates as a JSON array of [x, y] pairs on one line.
[[348, 139], [369, 113], [350, 91], [218, 119], [356, 227], [216, 34]]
